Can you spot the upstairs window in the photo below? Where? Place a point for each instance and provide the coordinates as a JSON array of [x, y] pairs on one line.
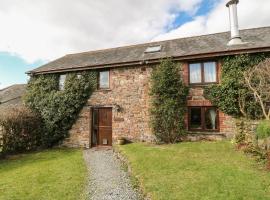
[[153, 49], [104, 80], [203, 73], [62, 80]]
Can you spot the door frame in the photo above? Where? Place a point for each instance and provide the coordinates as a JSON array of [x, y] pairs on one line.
[[92, 125]]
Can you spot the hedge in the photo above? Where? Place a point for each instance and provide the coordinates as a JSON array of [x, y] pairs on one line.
[[21, 130]]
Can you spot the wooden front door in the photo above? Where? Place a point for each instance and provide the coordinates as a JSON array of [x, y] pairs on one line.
[[102, 127]]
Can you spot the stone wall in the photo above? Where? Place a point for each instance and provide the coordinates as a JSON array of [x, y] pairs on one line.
[[80, 131], [196, 98], [129, 89], [246, 128]]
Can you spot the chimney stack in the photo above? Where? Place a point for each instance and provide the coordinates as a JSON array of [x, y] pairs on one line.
[[235, 35]]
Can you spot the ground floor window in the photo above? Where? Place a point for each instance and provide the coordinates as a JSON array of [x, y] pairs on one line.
[[203, 118]]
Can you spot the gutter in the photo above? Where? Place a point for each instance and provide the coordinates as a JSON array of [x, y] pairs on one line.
[[3, 102], [156, 61]]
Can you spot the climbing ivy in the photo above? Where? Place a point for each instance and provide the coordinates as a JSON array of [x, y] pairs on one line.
[[168, 102], [59, 109], [231, 95]]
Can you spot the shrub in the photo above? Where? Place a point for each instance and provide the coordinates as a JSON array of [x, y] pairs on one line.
[[232, 95], [263, 129], [21, 130], [168, 102], [59, 109]]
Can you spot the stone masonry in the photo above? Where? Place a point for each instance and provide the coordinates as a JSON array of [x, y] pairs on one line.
[[129, 90]]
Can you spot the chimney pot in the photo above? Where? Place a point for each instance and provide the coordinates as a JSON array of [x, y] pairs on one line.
[[235, 34]]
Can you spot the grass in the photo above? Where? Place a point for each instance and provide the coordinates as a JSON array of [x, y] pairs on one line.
[[201, 170], [52, 174]]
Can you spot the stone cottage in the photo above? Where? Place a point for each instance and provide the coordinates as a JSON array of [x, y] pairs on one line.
[[120, 104]]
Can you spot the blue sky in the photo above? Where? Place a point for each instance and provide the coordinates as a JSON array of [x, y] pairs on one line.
[[13, 68], [35, 32]]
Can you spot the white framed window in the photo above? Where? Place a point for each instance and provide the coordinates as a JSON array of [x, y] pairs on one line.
[[104, 80], [62, 79], [203, 73]]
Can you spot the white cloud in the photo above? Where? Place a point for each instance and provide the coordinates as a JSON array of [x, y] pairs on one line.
[[250, 13], [38, 29]]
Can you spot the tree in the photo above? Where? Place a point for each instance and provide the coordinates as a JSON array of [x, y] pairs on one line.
[[168, 102], [258, 81]]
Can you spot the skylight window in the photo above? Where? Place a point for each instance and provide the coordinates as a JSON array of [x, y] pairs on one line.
[[153, 49]]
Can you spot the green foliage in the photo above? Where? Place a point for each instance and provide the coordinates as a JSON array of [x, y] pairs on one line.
[[263, 129], [59, 109], [21, 130], [168, 102], [231, 95], [240, 138]]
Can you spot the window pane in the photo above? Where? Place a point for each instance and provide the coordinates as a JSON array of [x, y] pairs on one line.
[[211, 118], [62, 80], [195, 73], [104, 79], [210, 72], [195, 118]]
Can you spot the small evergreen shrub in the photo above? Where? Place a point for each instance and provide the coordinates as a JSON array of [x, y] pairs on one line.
[[21, 130], [263, 129], [169, 95]]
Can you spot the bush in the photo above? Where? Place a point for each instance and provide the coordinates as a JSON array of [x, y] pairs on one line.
[[232, 96], [263, 129], [59, 109], [21, 130], [168, 102]]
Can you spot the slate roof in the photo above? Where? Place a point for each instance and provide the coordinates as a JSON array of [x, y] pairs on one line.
[[12, 96], [258, 39]]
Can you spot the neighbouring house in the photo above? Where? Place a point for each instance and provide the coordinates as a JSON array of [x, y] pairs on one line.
[[12, 96], [120, 105]]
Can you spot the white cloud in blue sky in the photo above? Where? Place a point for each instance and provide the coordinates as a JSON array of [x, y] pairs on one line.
[[37, 31], [251, 14]]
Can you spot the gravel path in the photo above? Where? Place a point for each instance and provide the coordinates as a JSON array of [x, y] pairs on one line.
[[108, 181]]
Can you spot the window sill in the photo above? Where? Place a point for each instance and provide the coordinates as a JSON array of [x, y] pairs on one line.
[[105, 89], [193, 132], [202, 84]]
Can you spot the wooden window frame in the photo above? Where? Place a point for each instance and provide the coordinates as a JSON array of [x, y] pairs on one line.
[[202, 73], [203, 110], [98, 84]]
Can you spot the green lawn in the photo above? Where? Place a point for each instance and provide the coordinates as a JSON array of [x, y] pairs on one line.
[[49, 175], [199, 170]]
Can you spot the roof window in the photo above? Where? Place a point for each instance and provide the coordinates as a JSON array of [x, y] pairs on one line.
[[153, 49]]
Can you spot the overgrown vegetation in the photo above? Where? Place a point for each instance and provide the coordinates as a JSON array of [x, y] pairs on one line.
[[59, 109], [263, 129], [263, 134], [20, 130], [257, 80], [244, 93], [168, 102], [232, 95]]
